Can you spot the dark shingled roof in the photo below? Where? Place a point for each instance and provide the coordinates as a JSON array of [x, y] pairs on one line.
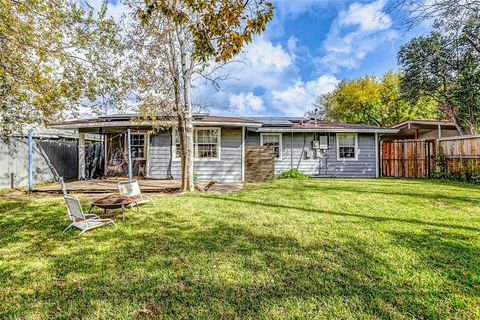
[[331, 125]]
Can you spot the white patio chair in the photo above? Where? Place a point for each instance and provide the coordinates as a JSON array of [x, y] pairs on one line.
[[80, 220], [132, 189]]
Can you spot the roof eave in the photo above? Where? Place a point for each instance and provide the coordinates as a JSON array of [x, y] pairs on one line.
[[113, 124], [339, 130]]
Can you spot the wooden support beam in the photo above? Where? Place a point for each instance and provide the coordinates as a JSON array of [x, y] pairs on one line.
[[81, 156]]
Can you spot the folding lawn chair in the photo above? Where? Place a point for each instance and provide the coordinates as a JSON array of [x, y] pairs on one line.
[[132, 189], [80, 220]]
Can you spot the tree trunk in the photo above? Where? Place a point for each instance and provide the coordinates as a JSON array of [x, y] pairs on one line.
[[187, 112], [176, 77]]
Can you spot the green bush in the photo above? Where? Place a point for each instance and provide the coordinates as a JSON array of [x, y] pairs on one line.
[[292, 174]]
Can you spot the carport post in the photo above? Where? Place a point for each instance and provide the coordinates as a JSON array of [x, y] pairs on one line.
[[30, 160], [129, 155]]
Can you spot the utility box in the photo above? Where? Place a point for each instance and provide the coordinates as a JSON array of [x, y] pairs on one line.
[[321, 143]]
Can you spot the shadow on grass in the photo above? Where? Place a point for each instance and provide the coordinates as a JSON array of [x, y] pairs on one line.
[[163, 265], [228, 271], [455, 199], [346, 214]]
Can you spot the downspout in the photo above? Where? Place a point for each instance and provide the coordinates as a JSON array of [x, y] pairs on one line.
[[291, 152], [243, 154], [377, 173], [30, 160], [303, 149]]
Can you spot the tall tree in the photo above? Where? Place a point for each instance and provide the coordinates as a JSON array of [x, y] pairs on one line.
[[445, 66], [197, 32], [373, 101], [51, 58], [452, 15]]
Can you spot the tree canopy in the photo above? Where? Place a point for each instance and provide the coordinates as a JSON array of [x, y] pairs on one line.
[[373, 101], [189, 36], [52, 58], [445, 65]]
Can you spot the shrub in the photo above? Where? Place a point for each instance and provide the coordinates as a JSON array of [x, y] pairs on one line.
[[292, 174]]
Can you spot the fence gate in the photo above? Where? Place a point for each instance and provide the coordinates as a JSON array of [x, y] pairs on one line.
[[407, 158], [259, 163], [63, 156]]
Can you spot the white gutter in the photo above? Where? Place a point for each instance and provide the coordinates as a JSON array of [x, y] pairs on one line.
[[111, 124], [382, 130]]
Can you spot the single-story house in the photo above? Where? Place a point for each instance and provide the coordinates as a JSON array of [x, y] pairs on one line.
[[423, 129], [316, 148]]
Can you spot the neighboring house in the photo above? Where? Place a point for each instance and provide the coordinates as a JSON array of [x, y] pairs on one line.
[[423, 129], [316, 148]]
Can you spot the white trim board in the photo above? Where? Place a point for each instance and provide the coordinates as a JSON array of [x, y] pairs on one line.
[[174, 145], [338, 147], [280, 142]]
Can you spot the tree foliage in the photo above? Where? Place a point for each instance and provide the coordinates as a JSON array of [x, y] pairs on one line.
[[52, 57], [193, 34], [372, 101], [452, 15], [218, 28], [445, 66]]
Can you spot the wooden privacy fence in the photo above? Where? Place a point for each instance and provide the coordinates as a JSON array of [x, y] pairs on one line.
[[407, 158], [459, 154], [259, 163], [62, 157]]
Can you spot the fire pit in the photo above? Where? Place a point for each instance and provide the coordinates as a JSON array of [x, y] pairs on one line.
[[113, 201]]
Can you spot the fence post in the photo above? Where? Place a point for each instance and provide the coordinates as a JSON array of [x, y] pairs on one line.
[[30, 160]]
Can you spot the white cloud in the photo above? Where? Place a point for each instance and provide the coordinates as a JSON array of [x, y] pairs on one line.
[[298, 98], [346, 48], [246, 102], [369, 17], [263, 55]]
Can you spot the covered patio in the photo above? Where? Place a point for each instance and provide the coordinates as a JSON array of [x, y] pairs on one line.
[[111, 186]]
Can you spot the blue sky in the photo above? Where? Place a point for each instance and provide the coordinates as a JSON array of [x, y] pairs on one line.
[[306, 50]]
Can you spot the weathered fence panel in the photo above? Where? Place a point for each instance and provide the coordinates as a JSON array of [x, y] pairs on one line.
[[259, 163], [62, 156], [460, 155], [407, 158], [49, 158]]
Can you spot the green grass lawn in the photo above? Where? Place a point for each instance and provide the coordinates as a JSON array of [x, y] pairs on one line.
[[319, 248]]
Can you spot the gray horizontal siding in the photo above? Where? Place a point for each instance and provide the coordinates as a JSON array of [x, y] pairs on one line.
[[327, 165], [227, 169]]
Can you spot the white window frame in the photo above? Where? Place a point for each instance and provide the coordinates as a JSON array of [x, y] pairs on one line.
[[144, 134], [280, 151], [356, 147], [219, 151]]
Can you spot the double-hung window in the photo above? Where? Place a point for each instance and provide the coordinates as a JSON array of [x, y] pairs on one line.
[[274, 140], [347, 146], [137, 143], [206, 143]]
